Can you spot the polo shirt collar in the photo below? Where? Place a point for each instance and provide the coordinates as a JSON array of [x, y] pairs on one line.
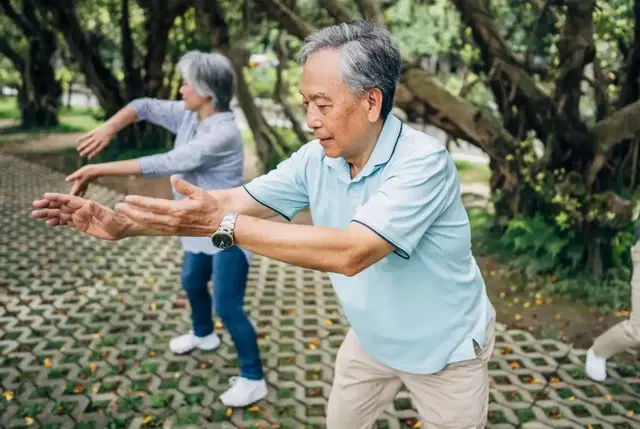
[[382, 152]]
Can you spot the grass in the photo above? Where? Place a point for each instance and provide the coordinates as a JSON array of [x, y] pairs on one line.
[[472, 172], [72, 120]]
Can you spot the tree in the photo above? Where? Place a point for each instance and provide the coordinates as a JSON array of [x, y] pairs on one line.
[[39, 92], [586, 173]]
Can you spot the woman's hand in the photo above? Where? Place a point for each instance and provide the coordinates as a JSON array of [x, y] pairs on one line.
[[92, 143], [82, 178]]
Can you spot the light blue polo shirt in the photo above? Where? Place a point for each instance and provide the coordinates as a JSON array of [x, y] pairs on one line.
[[423, 305]]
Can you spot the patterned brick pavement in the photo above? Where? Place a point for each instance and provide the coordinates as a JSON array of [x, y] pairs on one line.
[[84, 327]]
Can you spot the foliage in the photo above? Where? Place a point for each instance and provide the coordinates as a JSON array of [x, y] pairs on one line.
[[539, 248]]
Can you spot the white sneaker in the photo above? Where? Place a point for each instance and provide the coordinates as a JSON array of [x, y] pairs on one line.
[[244, 392], [187, 342], [596, 366]]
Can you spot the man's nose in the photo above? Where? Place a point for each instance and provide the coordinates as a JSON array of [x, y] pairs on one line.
[[313, 118]]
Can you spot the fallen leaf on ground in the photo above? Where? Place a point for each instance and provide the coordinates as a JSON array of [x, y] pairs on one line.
[[8, 395]]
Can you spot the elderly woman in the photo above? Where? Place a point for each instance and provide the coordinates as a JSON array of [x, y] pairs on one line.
[[208, 152]]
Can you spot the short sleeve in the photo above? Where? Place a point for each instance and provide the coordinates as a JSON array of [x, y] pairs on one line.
[[409, 201], [165, 113], [284, 189]]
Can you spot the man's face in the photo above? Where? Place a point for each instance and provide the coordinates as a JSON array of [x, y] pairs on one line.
[[336, 116]]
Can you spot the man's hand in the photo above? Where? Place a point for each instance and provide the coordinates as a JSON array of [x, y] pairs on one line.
[[85, 215], [82, 177], [93, 142], [197, 216]]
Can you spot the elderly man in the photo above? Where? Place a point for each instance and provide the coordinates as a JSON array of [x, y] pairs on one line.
[[389, 227]]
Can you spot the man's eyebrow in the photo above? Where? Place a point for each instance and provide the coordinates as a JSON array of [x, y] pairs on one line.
[[317, 95]]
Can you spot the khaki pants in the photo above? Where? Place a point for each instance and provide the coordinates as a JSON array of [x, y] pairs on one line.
[[626, 334], [457, 397]]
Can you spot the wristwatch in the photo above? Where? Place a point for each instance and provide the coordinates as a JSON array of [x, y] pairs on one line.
[[223, 237]]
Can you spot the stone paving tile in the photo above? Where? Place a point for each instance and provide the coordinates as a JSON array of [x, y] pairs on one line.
[[85, 325]]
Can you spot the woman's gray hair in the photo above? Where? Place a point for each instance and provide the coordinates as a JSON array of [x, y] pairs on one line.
[[210, 75], [369, 58]]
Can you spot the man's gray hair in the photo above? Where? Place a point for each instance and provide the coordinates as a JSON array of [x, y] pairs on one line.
[[210, 75], [369, 58]]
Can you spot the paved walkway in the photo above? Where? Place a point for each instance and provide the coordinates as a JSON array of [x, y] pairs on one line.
[[84, 327]]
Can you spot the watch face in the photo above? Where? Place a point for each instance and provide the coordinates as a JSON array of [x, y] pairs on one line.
[[222, 241]]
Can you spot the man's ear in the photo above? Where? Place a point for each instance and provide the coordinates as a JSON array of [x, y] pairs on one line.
[[374, 102]]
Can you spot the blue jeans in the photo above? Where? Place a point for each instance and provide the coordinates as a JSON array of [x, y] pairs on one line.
[[229, 268]]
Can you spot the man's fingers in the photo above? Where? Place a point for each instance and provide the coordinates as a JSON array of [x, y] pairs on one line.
[[72, 201], [184, 187], [53, 214], [156, 205]]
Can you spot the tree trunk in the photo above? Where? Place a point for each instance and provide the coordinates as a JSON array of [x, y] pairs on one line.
[[42, 93]]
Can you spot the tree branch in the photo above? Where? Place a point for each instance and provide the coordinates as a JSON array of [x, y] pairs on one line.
[[371, 11], [99, 78], [619, 126], [420, 95], [289, 20], [630, 91], [16, 17], [495, 53], [338, 12], [533, 34], [12, 55], [281, 95], [575, 49]]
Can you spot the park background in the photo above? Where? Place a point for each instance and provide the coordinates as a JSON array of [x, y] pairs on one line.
[[537, 100]]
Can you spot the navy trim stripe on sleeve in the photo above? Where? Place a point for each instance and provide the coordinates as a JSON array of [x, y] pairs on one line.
[[266, 205], [398, 250]]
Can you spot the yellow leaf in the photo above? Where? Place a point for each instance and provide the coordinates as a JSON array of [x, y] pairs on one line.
[[502, 294], [228, 412], [609, 398], [176, 375], [153, 306], [147, 420], [61, 349], [8, 395], [93, 367], [534, 381], [418, 424], [517, 317], [218, 324], [539, 301], [94, 390], [254, 409], [572, 398], [558, 317], [527, 304], [47, 363], [28, 421], [328, 322], [514, 288], [630, 413], [312, 346]]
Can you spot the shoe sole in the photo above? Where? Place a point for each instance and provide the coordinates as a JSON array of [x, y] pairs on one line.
[[207, 349], [250, 404]]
